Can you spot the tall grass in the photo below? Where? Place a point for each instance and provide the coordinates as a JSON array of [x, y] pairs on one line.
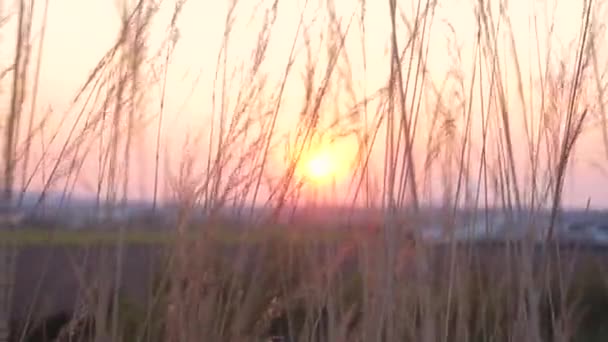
[[470, 121]]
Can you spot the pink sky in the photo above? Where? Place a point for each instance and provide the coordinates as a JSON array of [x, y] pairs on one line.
[[80, 32]]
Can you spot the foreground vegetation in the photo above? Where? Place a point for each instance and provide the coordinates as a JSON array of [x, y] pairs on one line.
[[449, 106], [326, 289]]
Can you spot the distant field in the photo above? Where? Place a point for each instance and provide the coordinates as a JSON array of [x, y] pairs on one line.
[[34, 237], [225, 235], [83, 237]]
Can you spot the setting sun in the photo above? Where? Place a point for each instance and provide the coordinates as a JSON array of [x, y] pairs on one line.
[[320, 167], [326, 163]]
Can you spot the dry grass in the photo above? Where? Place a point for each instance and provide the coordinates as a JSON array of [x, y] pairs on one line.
[[495, 128]]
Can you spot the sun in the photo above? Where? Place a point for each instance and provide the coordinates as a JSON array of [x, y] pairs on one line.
[[325, 163], [320, 167]]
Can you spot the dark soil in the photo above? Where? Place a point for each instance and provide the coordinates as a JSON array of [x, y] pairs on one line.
[[48, 279]]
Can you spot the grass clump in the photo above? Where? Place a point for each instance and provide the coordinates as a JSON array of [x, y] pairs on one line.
[[490, 127]]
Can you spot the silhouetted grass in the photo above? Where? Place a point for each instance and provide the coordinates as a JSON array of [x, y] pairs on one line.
[[473, 129]]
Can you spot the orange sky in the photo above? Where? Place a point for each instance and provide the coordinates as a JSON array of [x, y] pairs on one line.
[[80, 32]]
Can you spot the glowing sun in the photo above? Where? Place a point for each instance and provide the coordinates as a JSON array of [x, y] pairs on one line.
[[320, 167], [326, 163]]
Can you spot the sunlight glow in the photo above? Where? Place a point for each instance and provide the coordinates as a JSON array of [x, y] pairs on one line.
[[327, 163], [320, 167]]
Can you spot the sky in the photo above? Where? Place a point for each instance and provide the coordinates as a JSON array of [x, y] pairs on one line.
[[79, 32]]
